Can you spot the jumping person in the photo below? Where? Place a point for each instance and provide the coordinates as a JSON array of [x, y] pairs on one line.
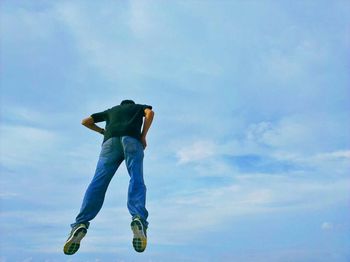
[[124, 139]]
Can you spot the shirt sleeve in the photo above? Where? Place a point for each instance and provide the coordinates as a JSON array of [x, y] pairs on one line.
[[99, 117]]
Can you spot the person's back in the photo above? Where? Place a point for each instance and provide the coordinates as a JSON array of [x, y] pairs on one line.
[[122, 120], [123, 140]]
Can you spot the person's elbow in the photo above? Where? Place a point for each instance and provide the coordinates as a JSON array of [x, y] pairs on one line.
[[87, 121], [149, 114]]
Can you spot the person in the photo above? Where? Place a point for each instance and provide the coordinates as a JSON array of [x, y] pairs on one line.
[[125, 134]]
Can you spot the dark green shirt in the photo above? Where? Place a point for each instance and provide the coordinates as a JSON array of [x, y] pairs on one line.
[[122, 120]]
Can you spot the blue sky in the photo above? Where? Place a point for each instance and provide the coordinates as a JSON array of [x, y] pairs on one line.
[[249, 153]]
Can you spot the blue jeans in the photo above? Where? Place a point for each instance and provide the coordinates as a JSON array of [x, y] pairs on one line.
[[114, 151]]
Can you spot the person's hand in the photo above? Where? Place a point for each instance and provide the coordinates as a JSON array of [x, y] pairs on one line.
[[143, 142]]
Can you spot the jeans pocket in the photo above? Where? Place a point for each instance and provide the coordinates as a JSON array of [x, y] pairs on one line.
[[107, 147], [132, 146]]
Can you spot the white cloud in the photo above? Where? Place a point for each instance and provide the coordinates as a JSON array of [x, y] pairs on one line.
[[104, 47], [341, 154], [139, 20], [138, 41], [294, 142], [248, 195], [307, 133], [294, 63], [327, 226], [22, 114], [25, 145], [197, 151], [28, 259], [295, 254], [36, 25], [7, 195]]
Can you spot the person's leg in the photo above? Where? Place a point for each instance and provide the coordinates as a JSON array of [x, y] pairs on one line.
[[133, 152], [110, 158]]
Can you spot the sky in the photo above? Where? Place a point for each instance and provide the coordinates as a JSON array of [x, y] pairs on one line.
[[248, 156]]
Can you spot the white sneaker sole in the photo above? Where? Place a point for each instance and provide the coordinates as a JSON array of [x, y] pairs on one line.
[[139, 240], [73, 243]]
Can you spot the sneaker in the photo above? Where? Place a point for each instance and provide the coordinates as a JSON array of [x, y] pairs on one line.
[[73, 242], [140, 235]]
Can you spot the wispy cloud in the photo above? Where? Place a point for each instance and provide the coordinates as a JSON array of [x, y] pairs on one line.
[[25, 145], [248, 195], [327, 226], [251, 120], [301, 254], [197, 151], [289, 144]]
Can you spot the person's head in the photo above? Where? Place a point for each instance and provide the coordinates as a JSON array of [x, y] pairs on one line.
[[125, 102]]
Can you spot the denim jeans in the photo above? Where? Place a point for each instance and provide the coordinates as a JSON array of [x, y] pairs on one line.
[[114, 151]]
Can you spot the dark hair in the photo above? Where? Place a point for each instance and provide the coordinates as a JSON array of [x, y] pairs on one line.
[[125, 102]]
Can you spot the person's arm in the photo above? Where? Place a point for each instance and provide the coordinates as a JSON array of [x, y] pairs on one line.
[[146, 125], [90, 123]]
